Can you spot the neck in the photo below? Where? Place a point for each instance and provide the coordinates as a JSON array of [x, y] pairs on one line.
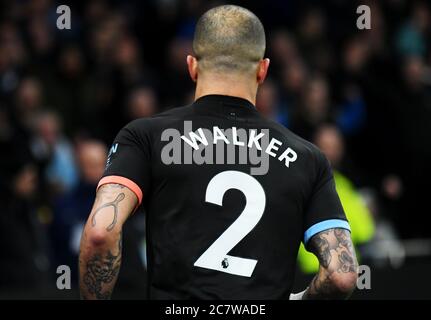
[[229, 86]]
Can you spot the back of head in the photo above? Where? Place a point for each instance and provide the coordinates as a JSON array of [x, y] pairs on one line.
[[229, 38]]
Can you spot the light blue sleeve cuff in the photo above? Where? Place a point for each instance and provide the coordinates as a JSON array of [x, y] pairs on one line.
[[325, 225]]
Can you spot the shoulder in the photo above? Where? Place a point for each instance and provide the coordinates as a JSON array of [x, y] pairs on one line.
[[144, 131], [173, 113], [296, 142], [159, 120], [309, 158]]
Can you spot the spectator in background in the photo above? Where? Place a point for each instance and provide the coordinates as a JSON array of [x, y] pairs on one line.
[[351, 110], [28, 102], [70, 89], [415, 113], [41, 36], [282, 49], [108, 77], [24, 261], [268, 103], [313, 109], [13, 57], [70, 209], [412, 37], [351, 113], [176, 82], [313, 40], [293, 80], [50, 146], [142, 103], [128, 62]]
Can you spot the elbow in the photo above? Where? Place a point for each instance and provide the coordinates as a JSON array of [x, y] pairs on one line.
[[98, 238], [344, 283]]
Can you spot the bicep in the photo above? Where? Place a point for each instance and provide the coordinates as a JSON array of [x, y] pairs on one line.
[[334, 250], [113, 205]]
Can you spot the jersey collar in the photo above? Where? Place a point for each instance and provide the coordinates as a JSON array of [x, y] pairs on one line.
[[230, 101]]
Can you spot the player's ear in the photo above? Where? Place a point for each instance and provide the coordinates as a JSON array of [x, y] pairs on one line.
[[192, 65], [262, 70]]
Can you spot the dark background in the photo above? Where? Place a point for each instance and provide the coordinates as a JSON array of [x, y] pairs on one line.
[[64, 94]]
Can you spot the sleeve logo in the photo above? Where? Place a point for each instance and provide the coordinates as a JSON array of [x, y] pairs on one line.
[[112, 151]]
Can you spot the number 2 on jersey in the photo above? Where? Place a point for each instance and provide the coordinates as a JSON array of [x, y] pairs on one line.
[[216, 257]]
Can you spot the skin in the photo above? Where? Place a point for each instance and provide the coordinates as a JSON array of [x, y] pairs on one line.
[[100, 251], [237, 84], [337, 274]]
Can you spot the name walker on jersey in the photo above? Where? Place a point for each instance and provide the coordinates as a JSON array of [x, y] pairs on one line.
[[224, 146]]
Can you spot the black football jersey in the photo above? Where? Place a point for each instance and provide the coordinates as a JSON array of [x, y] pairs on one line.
[[229, 195]]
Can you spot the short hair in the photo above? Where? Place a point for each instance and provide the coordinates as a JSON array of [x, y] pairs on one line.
[[229, 38]]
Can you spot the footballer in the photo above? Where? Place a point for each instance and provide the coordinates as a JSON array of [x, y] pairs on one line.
[[228, 194]]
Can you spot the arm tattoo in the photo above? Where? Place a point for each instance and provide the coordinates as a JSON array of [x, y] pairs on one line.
[[334, 243], [321, 286], [114, 204], [336, 254], [346, 263], [346, 254], [101, 271], [324, 254]]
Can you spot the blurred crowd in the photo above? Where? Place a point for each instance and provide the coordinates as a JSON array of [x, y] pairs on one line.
[[363, 96]]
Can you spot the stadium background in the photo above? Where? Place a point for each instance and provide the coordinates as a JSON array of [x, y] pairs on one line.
[[363, 96]]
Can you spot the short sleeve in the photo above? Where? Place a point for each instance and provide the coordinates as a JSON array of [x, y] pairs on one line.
[[324, 210], [129, 160]]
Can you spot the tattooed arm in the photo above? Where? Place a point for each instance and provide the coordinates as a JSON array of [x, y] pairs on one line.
[[337, 274], [100, 251]]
